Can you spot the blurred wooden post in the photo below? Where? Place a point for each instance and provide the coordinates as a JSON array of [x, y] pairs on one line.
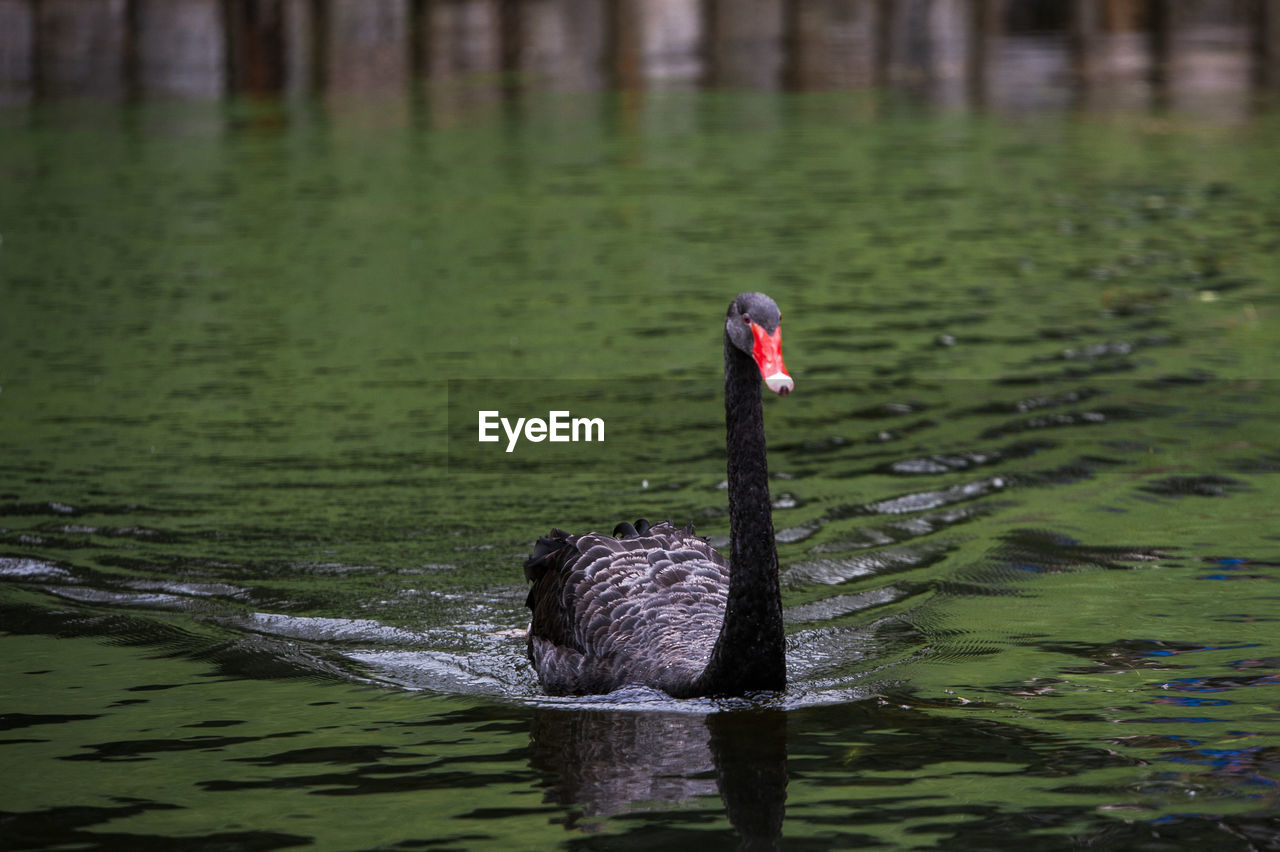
[[1086, 23], [180, 47], [743, 42], [17, 50], [364, 44], [648, 40], [562, 44], [255, 40], [792, 46], [1160, 23], [461, 37], [987, 26], [622, 45], [1265, 24], [829, 44], [298, 46], [420, 38], [510, 30], [82, 47], [907, 51], [882, 56], [1124, 15], [950, 43]]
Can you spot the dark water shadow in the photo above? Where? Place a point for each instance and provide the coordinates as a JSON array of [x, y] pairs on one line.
[[648, 771], [81, 827], [600, 763]]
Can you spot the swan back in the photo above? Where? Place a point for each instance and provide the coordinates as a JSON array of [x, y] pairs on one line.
[[643, 608]]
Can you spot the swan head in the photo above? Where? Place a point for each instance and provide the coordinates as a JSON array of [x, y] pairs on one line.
[[754, 325]]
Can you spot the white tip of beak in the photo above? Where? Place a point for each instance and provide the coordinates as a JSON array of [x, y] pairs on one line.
[[780, 383]]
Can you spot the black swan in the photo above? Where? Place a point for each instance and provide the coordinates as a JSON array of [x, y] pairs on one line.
[[658, 606]]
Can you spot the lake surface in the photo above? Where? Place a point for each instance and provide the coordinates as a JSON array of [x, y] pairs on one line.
[[259, 588]]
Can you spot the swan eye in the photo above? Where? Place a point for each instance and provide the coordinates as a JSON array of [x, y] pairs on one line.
[[746, 319]]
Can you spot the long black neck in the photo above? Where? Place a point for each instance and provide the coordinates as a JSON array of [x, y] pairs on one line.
[[750, 653]]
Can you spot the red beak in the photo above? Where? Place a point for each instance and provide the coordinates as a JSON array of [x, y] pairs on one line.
[[768, 354]]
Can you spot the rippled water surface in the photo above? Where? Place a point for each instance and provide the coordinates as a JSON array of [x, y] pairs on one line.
[[259, 589]]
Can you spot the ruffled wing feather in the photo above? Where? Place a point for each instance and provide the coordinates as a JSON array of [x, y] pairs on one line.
[[642, 609]]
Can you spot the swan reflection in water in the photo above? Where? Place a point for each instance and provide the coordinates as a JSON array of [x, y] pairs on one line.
[[603, 762]]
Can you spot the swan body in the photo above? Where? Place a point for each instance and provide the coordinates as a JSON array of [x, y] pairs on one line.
[[656, 605], [609, 611]]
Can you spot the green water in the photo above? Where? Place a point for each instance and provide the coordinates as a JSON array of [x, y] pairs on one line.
[[261, 590]]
